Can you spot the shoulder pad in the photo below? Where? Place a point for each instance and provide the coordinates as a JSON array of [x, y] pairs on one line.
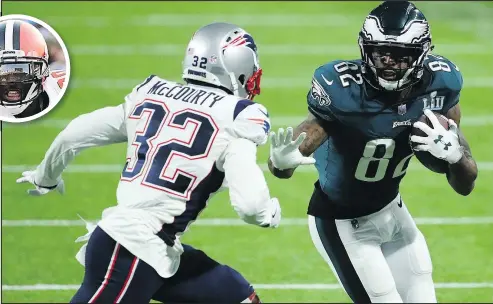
[[251, 121], [333, 86], [58, 76], [446, 84], [445, 73], [139, 90], [54, 84]]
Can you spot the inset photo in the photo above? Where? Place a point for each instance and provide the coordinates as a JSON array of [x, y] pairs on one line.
[[34, 68]]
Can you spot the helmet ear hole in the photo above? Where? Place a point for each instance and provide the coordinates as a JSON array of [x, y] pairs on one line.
[[242, 79]]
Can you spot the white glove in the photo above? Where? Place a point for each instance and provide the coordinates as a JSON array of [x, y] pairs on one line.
[[441, 143], [284, 152], [28, 177], [275, 212]]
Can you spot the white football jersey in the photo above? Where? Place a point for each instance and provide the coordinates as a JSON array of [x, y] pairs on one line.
[[176, 135], [180, 139], [53, 85]]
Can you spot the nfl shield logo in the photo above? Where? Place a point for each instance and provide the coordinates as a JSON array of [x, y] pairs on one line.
[[213, 59], [401, 110]]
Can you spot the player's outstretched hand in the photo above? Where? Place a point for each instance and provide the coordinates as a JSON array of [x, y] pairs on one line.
[[440, 142], [284, 151], [28, 177]]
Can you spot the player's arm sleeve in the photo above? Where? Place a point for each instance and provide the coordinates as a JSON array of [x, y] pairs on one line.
[[318, 98], [101, 127], [248, 189]]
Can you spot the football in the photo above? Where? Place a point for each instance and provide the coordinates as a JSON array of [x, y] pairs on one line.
[[429, 161]]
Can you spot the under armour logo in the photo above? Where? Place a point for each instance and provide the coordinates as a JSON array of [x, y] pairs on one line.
[[439, 139]]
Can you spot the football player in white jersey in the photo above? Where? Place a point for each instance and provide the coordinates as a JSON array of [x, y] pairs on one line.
[[27, 86], [186, 142]]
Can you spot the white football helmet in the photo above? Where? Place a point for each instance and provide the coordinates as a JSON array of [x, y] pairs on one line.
[[225, 56]]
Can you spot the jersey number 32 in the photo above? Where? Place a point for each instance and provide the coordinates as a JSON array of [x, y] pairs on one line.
[[152, 158]]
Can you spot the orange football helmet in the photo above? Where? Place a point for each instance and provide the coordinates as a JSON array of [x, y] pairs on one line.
[[23, 63]]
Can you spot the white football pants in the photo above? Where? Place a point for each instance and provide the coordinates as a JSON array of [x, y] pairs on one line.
[[381, 257]]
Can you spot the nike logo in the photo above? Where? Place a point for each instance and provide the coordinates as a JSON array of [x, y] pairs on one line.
[[327, 82], [400, 203]]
